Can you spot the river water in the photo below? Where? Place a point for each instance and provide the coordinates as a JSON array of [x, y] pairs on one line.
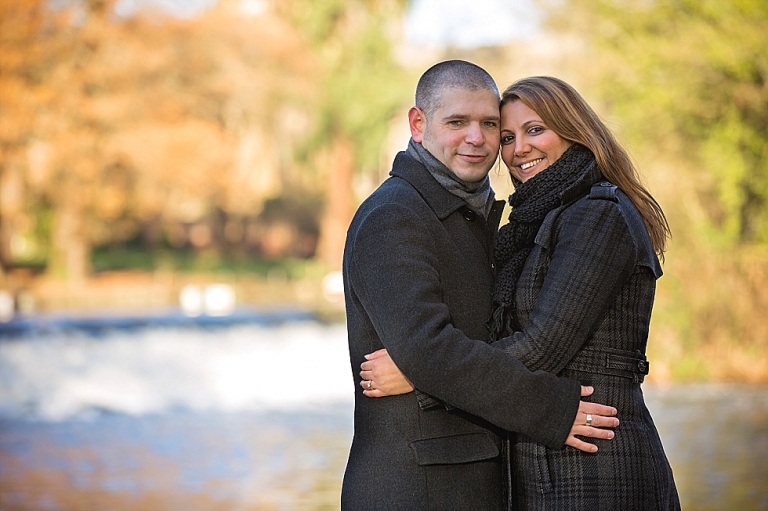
[[256, 416]]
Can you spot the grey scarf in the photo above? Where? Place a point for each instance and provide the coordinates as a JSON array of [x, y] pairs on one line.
[[479, 196]]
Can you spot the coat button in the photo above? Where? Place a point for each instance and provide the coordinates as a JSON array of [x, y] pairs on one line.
[[469, 215]]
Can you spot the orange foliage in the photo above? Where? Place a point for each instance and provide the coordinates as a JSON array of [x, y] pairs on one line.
[[111, 122]]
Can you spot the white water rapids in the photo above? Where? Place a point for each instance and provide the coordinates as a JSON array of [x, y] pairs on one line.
[[155, 370]]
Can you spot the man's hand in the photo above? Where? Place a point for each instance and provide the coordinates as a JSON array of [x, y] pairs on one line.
[[589, 421]]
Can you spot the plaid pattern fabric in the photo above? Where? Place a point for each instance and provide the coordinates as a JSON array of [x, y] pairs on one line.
[[589, 284]]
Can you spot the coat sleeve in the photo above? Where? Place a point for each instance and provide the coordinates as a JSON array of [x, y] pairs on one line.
[[592, 257], [393, 270]]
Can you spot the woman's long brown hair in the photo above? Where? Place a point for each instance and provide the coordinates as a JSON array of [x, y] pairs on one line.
[[564, 111]]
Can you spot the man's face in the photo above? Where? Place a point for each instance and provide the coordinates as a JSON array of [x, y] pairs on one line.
[[463, 133]]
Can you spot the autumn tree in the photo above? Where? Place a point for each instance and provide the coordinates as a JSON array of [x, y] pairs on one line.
[[184, 128], [63, 103], [219, 117], [24, 26], [115, 123]]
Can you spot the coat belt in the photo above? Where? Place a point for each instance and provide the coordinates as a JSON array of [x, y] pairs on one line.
[[611, 362]]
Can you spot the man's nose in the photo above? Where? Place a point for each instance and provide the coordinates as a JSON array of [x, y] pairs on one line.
[[475, 135]]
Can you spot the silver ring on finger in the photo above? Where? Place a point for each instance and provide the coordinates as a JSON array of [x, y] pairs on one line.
[[369, 384], [589, 419]]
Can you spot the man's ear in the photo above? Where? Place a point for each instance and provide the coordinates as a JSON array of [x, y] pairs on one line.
[[417, 120]]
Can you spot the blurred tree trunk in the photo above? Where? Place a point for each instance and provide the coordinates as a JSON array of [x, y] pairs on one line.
[[11, 189], [6, 232], [338, 165], [70, 247]]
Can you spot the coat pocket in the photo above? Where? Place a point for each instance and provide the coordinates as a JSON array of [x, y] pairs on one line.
[[532, 471], [449, 450]]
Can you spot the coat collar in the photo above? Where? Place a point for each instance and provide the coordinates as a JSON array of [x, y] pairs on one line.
[[442, 202], [582, 185]]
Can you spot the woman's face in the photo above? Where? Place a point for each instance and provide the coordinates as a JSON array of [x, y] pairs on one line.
[[528, 146]]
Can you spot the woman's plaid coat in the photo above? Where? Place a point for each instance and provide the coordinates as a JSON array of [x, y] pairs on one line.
[[584, 301]]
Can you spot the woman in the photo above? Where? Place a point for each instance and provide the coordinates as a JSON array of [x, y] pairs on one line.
[[577, 268]]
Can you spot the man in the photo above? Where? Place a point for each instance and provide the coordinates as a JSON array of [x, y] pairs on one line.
[[418, 281]]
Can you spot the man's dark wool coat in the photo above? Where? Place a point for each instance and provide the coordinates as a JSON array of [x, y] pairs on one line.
[[418, 281]]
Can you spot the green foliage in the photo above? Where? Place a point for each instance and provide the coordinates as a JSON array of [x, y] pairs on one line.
[[361, 86], [691, 77], [106, 259]]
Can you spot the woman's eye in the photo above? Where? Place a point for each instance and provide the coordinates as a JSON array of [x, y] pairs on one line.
[[507, 139], [535, 129]]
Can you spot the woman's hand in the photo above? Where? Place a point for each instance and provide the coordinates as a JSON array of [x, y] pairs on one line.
[[381, 377], [589, 421]]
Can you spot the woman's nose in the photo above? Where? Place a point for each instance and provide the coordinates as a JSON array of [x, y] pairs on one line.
[[521, 147]]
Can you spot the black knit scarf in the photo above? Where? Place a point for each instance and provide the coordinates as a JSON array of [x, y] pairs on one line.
[[530, 203]]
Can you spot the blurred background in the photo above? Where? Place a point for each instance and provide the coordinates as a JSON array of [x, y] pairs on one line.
[[176, 180]]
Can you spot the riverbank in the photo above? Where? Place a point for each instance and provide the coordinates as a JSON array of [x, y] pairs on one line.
[[144, 292]]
